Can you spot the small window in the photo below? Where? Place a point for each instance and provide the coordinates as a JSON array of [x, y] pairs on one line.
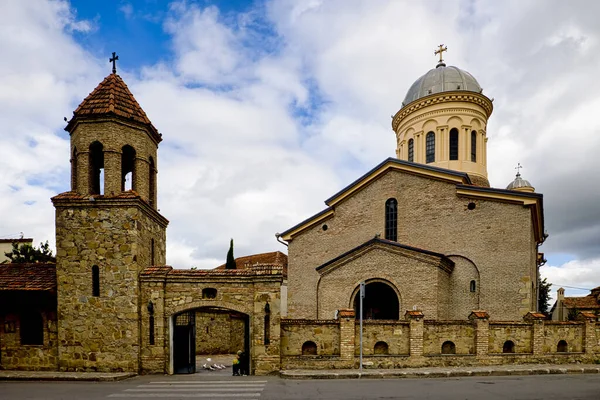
[[267, 329], [448, 348], [562, 347], [391, 219], [32, 328], [454, 144], [430, 148], [473, 286], [474, 146], [151, 323], [508, 347], [309, 349], [411, 150], [74, 170], [95, 281], [381, 348], [151, 251], [209, 293]]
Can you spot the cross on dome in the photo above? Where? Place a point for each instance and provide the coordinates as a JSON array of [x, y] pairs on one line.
[[440, 50]]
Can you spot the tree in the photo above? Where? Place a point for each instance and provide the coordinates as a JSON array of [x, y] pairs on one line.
[[27, 253], [544, 295], [230, 263]]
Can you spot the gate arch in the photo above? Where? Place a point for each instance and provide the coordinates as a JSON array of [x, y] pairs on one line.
[[382, 300]]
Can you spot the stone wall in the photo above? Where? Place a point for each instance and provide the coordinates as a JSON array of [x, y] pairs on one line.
[[494, 241], [15, 356], [219, 332], [418, 342], [102, 333]]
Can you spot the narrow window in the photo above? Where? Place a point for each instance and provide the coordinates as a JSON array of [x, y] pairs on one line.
[[454, 144], [381, 348], [96, 170], [473, 286], [474, 146], [267, 329], [430, 147], [391, 219], [448, 348], [74, 170], [562, 347], [151, 323], [411, 150], [95, 281], [127, 168], [309, 349], [508, 347], [32, 328], [209, 293], [151, 251], [152, 183]]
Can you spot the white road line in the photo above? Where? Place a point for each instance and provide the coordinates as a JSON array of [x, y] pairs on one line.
[[190, 395], [200, 381], [260, 385], [195, 389]]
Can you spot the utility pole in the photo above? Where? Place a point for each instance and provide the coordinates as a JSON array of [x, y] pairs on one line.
[[362, 296]]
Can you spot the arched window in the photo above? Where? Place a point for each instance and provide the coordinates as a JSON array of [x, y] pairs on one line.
[[454, 144], [411, 150], [448, 348], [508, 347], [152, 182], [430, 147], [96, 168], [32, 328], [267, 329], [473, 286], [391, 219], [74, 170], [381, 348], [151, 251], [562, 347], [209, 293], [309, 349], [474, 146], [95, 281], [380, 302], [127, 168]]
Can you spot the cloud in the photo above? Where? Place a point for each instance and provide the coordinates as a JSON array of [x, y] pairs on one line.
[[268, 112]]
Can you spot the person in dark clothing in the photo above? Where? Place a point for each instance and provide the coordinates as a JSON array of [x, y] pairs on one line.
[[244, 364]]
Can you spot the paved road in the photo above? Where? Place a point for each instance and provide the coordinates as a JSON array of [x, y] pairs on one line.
[[547, 387]]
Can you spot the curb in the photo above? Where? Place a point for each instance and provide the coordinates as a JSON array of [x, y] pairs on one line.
[[65, 376], [396, 374]]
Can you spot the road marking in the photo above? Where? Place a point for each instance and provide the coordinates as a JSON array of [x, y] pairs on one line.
[[200, 381], [179, 389], [179, 395], [195, 389]]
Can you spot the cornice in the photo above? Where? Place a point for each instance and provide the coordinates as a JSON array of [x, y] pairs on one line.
[[449, 111], [439, 98]]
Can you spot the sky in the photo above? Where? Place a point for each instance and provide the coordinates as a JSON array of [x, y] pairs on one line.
[[267, 108]]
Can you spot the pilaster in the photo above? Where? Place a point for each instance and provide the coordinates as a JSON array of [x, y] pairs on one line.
[[347, 341], [482, 332], [415, 318], [537, 340]]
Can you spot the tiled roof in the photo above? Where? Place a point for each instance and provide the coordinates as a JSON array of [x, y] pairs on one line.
[[587, 302], [162, 271], [39, 276], [274, 258], [112, 96]]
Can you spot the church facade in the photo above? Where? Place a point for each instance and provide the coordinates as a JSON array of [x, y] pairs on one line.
[[449, 264]]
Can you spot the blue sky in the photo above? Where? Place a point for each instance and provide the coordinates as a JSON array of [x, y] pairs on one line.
[[269, 107]]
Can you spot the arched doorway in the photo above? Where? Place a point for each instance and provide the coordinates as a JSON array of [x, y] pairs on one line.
[[209, 332], [380, 302]]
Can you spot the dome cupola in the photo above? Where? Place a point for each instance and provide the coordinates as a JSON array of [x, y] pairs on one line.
[[520, 184], [443, 120]]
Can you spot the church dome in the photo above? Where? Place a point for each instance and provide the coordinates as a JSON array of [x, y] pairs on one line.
[[521, 185], [442, 79]]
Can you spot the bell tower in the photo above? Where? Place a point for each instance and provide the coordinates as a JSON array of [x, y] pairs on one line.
[[108, 229]]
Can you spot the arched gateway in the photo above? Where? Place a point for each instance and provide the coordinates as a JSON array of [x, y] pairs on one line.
[[381, 301]]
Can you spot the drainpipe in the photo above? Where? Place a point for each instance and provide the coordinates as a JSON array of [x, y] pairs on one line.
[[278, 236]]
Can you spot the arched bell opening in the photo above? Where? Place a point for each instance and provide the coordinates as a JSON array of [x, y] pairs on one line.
[[381, 301]]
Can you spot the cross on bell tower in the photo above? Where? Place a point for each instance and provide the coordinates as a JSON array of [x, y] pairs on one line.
[[113, 60]]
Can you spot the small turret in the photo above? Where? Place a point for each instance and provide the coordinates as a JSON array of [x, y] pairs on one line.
[[520, 184]]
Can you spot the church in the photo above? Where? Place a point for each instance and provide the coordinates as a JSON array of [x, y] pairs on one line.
[[449, 265]]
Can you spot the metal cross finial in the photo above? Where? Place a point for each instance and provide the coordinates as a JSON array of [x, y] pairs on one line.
[[518, 168], [113, 60], [440, 50]]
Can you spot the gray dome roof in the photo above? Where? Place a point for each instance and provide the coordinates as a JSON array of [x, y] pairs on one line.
[[519, 183], [441, 79]]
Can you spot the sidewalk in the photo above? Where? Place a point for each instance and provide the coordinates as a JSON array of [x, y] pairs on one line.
[[64, 376], [443, 372]]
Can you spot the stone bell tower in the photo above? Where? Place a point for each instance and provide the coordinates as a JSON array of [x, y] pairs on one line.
[[108, 229]]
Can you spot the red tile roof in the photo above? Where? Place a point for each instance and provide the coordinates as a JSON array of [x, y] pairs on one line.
[[112, 96], [589, 302], [254, 261], [41, 277], [162, 271]]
